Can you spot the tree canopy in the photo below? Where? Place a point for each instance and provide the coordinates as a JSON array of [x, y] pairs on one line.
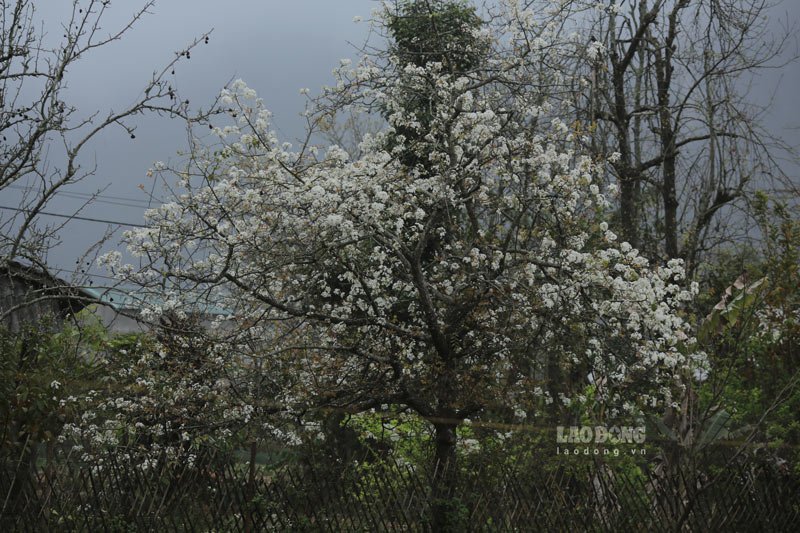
[[487, 276]]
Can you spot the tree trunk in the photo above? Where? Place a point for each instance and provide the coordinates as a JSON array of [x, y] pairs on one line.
[[629, 208], [667, 138], [445, 506], [670, 199], [250, 490], [628, 177]]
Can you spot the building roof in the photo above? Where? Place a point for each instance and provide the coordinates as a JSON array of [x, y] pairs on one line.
[[131, 299], [29, 292]]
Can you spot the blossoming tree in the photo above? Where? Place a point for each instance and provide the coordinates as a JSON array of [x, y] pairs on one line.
[[478, 273]]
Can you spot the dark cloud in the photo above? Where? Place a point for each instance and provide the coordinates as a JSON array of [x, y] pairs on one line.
[[277, 47]]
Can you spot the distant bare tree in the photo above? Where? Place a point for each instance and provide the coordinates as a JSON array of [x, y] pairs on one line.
[[41, 134], [664, 84]]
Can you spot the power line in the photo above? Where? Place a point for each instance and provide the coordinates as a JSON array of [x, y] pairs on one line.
[[121, 200], [89, 274], [97, 199], [76, 217]]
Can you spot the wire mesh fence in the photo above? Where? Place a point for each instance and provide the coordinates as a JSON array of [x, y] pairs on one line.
[[218, 494]]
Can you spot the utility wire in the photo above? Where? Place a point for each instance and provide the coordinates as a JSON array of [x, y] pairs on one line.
[[62, 271], [76, 217], [126, 201]]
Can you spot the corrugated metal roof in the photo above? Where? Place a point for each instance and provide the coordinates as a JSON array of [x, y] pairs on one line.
[[130, 299], [113, 297]]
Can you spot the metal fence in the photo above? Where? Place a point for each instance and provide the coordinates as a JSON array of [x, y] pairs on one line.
[[222, 495]]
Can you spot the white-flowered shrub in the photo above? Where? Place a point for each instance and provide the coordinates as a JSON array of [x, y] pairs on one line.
[[479, 272]]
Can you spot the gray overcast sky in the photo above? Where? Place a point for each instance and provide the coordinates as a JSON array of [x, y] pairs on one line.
[[277, 47]]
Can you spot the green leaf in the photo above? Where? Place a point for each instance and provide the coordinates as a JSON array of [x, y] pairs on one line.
[[662, 428], [716, 428]]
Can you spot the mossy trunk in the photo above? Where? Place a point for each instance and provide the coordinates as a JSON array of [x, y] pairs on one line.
[[445, 508]]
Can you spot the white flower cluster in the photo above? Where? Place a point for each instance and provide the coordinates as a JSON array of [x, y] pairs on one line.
[[461, 246]]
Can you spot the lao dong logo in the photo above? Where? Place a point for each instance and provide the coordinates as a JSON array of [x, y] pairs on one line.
[[600, 435]]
